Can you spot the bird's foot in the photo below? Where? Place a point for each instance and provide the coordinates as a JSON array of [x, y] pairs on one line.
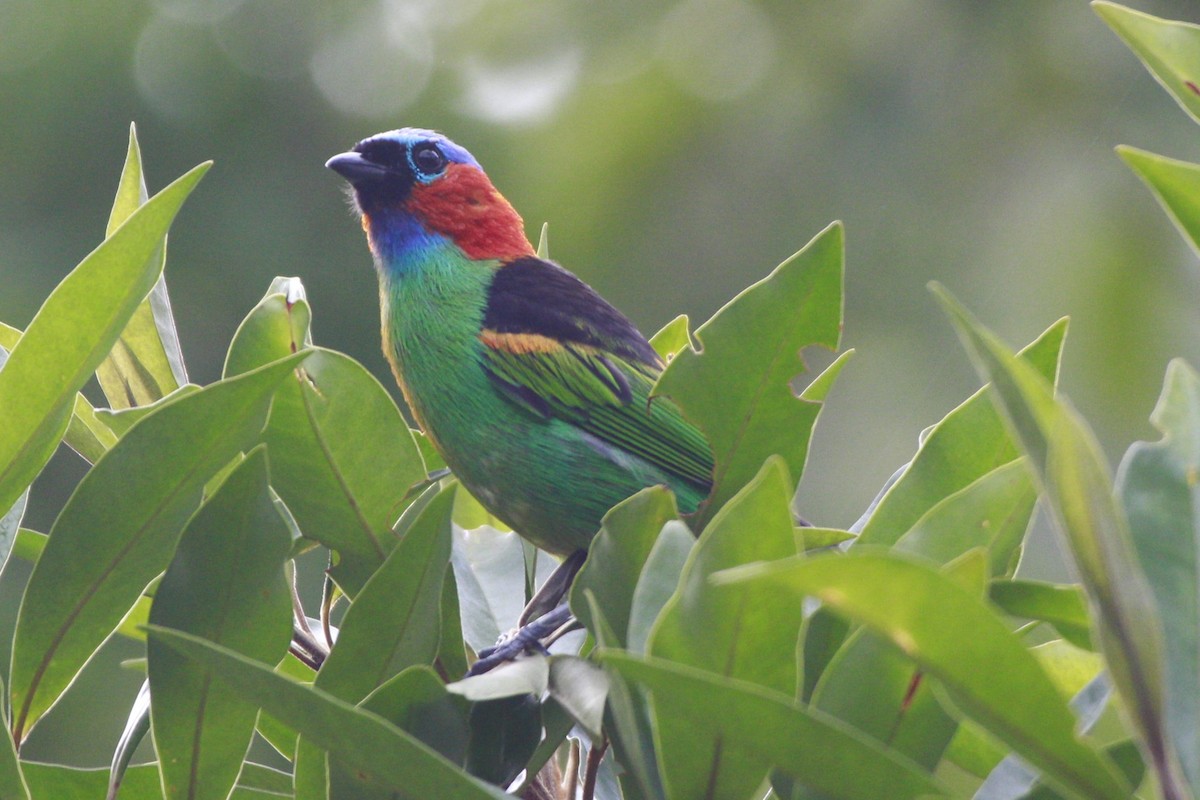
[[534, 637]]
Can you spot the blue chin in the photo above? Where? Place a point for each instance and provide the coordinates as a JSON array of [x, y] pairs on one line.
[[401, 243]]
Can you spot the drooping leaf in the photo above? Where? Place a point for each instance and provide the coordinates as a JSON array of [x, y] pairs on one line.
[[1170, 50], [146, 362], [1078, 487], [735, 387], [225, 584], [965, 445], [504, 736], [617, 557], [762, 726], [957, 639], [120, 527], [73, 331], [343, 458], [1157, 484], [581, 688], [364, 741]]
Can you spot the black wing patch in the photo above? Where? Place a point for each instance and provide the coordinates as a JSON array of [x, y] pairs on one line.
[[530, 295]]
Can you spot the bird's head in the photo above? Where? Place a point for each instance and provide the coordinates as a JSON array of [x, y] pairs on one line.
[[416, 189]]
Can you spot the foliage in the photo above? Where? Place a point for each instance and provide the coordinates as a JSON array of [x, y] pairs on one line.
[[902, 658]]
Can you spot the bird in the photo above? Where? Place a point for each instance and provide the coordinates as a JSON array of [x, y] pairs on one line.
[[532, 387]]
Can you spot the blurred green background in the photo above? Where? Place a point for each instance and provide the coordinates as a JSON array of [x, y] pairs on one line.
[[679, 151]]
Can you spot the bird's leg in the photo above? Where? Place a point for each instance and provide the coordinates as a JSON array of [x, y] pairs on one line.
[[554, 589], [535, 636], [545, 618]]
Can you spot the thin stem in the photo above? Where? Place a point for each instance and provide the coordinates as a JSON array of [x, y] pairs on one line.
[[595, 756], [570, 782]]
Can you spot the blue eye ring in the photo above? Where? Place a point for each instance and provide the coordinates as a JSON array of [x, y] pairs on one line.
[[427, 160]]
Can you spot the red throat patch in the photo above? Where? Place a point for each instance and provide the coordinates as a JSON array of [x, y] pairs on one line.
[[464, 206]]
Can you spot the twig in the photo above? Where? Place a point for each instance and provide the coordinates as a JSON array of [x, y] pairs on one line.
[[595, 756]]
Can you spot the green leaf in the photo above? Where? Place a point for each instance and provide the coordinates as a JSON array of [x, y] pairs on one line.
[[393, 622], [735, 388], [225, 584], [737, 632], [416, 702], [10, 527], [872, 686], [342, 457], [1064, 607], [29, 545], [671, 338], [967, 444], [1176, 186], [956, 638], [1077, 485], [73, 331], [120, 527], [617, 557], [655, 586], [764, 727], [86, 434], [452, 654], [364, 741], [1170, 50], [489, 568], [992, 512], [146, 362], [580, 687], [58, 782], [1157, 484], [12, 781], [119, 422], [504, 736]]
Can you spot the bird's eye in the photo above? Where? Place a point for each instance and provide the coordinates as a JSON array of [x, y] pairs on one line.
[[427, 159]]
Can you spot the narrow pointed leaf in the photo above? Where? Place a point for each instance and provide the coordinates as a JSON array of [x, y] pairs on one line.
[[767, 727], [1157, 484], [393, 622], [226, 584], [1170, 50], [1176, 186], [672, 337], [968, 443], [617, 556], [119, 529], [1064, 607], [956, 638], [363, 740], [735, 387], [1077, 484], [73, 331], [146, 362]]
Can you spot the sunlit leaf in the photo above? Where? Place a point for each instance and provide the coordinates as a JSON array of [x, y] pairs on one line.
[[119, 529], [225, 584], [146, 362], [73, 331], [1064, 607]]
